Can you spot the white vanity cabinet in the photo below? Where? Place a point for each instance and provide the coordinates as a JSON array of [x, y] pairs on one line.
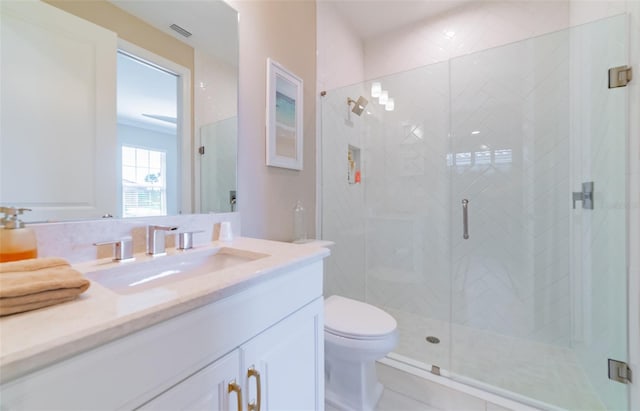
[[208, 389], [276, 370], [283, 357], [273, 327]]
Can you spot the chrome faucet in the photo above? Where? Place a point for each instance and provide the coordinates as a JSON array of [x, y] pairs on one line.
[[155, 240]]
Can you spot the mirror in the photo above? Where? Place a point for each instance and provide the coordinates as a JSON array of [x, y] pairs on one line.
[[60, 145]]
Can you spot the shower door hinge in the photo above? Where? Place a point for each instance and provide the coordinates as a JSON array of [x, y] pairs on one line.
[[620, 76], [586, 196], [619, 371], [201, 150]]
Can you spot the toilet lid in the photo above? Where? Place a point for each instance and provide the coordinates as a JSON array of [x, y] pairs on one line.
[[355, 319]]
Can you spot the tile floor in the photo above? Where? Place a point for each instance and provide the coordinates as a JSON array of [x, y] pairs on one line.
[[395, 401], [546, 373]]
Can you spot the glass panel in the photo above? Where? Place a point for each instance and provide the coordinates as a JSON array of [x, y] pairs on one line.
[[406, 208], [390, 221], [599, 141], [343, 209], [538, 285], [218, 165]]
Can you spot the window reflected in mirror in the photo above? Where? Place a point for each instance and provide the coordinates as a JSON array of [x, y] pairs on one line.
[[144, 187], [147, 100]]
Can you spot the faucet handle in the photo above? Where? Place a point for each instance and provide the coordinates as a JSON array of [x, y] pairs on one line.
[[122, 248], [185, 239]]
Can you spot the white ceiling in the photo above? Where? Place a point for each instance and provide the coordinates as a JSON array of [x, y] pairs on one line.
[[213, 23], [370, 18], [145, 91]]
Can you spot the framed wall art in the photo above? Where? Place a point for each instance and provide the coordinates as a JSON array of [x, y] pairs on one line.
[[284, 117]]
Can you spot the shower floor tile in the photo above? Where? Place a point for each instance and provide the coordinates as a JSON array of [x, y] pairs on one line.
[[394, 401], [543, 372]]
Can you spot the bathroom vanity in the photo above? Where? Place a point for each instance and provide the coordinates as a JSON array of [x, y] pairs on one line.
[[247, 337]]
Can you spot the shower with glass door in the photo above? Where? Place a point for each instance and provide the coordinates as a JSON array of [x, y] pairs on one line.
[[489, 214]]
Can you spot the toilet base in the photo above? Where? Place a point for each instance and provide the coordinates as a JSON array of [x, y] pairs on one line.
[[352, 386]]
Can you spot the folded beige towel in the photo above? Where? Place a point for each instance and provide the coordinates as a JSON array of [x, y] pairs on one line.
[[29, 284], [32, 264]]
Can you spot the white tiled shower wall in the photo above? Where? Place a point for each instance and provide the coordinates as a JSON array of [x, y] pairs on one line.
[[407, 178]]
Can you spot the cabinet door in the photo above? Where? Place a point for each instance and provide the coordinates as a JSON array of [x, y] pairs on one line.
[[288, 363], [208, 389]]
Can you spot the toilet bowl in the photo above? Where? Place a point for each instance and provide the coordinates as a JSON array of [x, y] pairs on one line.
[[356, 334]]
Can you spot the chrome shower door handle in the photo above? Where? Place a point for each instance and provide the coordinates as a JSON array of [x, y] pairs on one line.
[[465, 219]]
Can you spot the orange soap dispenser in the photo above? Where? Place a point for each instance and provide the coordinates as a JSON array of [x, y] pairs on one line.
[[16, 241]]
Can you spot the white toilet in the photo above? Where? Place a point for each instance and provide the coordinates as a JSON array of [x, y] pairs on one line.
[[356, 334]]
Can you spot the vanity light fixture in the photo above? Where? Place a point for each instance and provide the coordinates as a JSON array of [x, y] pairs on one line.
[[376, 89], [390, 105]]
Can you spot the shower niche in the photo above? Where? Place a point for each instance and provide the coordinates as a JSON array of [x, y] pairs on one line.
[[354, 175]]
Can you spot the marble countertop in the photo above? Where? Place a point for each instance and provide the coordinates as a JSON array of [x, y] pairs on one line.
[[34, 339]]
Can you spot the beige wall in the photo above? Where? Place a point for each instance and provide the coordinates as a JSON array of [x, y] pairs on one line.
[[286, 32], [340, 50], [129, 28]]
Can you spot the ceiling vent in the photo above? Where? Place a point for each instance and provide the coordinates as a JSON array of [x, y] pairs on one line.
[[180, 30]]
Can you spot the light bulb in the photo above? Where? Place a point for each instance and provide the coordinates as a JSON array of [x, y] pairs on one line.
[[384, 96], [390, 105], [376, 89]]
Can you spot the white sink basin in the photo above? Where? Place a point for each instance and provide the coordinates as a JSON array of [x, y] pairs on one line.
[[128, 278]]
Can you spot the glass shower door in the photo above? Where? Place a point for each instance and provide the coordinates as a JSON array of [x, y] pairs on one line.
[[599, 116], [537, 283]]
